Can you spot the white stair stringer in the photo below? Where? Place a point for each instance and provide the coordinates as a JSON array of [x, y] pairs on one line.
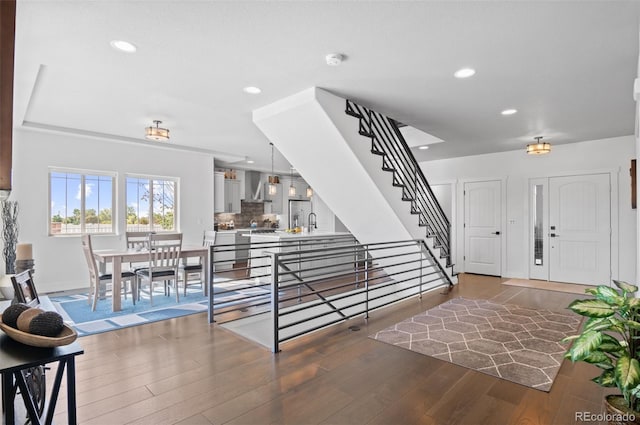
[[312, 130]]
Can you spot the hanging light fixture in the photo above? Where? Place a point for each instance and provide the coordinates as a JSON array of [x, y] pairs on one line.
[[309, 192], [292, 188], [157, 133], [273, 189], [538, 148]]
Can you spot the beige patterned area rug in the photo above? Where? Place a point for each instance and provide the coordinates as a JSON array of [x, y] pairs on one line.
[[504, 340]]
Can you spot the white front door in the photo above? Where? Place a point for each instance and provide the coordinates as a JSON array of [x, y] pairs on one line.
[[482, 223], [580, 229]]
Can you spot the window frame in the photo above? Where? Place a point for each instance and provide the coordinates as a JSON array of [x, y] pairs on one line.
[[83, 174], [151, 179]]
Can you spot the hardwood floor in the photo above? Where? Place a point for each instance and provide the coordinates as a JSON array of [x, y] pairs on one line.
[[185, 371]]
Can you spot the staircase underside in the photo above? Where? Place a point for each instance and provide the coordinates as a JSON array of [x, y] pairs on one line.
[[312, 130]]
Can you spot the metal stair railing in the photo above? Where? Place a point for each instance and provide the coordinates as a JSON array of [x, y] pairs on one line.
[[240, 273], [388, 142], [378, 275]]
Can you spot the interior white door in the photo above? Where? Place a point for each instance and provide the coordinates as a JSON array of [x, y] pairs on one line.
[[580, 229], [482, 224]]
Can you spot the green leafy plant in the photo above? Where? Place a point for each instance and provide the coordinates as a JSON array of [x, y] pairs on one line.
[[609, 338]]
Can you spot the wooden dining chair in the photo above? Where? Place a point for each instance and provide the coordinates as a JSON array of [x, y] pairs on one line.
[[164, 259], [99, 282], [137, 241], [195, 273]]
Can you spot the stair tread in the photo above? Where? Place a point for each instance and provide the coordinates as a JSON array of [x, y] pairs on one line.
[[424, 217], [353, 113]]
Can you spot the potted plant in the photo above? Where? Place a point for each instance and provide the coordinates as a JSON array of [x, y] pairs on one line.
[[610, 340]]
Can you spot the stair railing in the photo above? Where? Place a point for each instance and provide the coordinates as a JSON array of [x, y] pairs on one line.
[[369, 276], [387, 141]]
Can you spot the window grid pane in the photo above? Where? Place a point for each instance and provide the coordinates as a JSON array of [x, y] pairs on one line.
[[78, 201], [150, 205]]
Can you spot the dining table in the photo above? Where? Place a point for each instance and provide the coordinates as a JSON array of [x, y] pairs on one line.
[[118, 256]]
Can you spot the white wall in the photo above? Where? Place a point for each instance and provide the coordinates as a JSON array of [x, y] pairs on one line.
[[59, 262], [515, 168], [323, 144]]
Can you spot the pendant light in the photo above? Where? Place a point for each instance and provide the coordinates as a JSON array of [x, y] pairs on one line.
[[157, 133], [538, 148], [292, 188], [273, 189]]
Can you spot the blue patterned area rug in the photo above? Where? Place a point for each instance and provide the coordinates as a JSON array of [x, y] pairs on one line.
[[76, 311]]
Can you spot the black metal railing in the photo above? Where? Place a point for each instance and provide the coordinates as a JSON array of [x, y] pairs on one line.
[[387, 141], [240, 273], [372, 276]]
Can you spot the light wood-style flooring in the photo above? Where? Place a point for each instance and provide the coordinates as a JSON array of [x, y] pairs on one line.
[[185, 371]]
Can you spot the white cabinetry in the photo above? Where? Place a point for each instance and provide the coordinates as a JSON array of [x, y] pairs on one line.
[[289, 242], [218, 192], [232, 196], [225, 257]]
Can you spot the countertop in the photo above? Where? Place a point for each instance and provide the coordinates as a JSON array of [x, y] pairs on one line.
[[280, 235], [244, 229]]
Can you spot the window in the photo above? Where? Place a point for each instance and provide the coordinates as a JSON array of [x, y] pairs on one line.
[[80, 202], [151, 204]]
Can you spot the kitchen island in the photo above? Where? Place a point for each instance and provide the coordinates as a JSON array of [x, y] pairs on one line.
[[236, 242], [263, 244]]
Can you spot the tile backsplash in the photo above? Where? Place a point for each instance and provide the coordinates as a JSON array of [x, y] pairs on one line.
[[249, 211]]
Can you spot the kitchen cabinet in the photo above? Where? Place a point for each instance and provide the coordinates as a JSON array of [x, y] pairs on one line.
[[277, 200], [291, 242], [218, 192], [232, 196], [225, 257], [242, 247]]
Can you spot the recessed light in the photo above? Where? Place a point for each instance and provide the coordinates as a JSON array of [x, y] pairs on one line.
[[250, 161], [423, 148], [464, 73], [509, 111], [252, 90], [123, 46]]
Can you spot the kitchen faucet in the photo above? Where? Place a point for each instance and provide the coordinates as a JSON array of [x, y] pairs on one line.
[[315, 221]]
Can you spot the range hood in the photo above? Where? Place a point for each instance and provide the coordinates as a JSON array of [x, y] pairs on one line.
[[253, 187]]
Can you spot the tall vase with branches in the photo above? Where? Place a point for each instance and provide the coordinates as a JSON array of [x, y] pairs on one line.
[[9, 234]]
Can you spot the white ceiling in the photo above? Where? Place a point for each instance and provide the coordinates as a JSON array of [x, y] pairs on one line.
[[568, 67]]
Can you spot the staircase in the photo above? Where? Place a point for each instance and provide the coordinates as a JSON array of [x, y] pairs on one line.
[[333, 151], [387, 141]]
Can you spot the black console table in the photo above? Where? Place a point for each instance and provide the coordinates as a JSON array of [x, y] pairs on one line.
[[16, 357]]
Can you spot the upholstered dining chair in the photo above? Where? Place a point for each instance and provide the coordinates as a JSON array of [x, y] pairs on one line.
[[195, 273], [99, 282], [164, 259]]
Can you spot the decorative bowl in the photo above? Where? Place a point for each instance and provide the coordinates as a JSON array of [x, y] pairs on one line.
[[65, 337]]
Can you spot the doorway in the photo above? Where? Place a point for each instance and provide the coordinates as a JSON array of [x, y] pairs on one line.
[[482, 224], [570, 230]]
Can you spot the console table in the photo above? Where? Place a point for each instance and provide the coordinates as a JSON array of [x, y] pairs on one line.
[[16, 357]]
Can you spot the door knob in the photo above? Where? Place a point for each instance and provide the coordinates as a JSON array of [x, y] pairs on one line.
[[554, 235], [496, 233]]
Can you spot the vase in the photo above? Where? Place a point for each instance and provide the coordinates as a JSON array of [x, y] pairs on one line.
[[617, 412]]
